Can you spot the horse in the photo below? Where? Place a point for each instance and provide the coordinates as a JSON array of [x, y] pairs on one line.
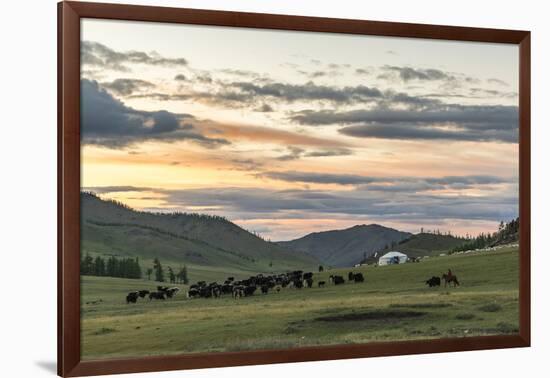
[[450, 278]]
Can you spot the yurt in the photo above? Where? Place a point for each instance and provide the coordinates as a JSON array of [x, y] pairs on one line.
[[393, 257]]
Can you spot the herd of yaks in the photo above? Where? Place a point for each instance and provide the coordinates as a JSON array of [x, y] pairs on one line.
[[244, 288], [162, 292]]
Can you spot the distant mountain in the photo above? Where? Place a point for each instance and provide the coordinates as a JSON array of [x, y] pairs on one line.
[[110, 227], [423, 244], [340, 248]]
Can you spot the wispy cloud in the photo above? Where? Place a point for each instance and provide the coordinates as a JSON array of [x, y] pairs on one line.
[[98, 55], [439, 122], [126, 87]]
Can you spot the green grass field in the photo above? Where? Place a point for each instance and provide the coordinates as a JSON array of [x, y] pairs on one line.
[[392, 304]]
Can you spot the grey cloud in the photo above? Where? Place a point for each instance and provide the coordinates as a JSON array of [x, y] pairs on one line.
[[243, 73], [204, 78], [180, 77], [116, 189], [265, 108], [108, 122], [246, 164], [492, 93], [249, 203], [371, 182], [364, 201], [295, 153], [413, 132], [329, 152], [313, 74], [464, 122], [126, 87], [319, 178], [336, 66], [308, 91], [408, 73], [99, 55], [497, 81]]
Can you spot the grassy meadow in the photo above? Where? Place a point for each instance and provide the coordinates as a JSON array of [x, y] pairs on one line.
[[392, 304]]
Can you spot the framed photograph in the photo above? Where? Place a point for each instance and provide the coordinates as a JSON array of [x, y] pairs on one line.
[[239, 188]]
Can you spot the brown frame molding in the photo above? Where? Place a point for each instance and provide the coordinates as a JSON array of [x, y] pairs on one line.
[[69, 15]]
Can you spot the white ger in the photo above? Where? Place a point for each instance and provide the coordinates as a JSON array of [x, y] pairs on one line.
[[393, 257]]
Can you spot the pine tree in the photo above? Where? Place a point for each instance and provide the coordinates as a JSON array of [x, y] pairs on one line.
[[87, 265], [99, 266], [171, 275], [184, 275], [159, 272]]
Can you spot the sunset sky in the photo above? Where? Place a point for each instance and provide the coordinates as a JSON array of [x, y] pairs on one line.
[[286, 133]]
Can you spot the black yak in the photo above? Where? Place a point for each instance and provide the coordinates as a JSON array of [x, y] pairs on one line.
[[132, 297], [434, 281]]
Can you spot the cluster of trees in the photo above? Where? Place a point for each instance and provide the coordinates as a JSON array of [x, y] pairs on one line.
[[173, 277], [507, 232], [111, 267], [129, 268], [436, 231]]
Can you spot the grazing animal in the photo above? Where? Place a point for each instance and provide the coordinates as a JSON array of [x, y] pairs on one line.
[[358, 277], [308, 282], [227, 289], [308, 276], [205, 292], [143, 293], [172, 292], [157, 295], [216, 292], [162, 288], [193, 293], [434, 281], [249, 290], [321, 283], [350, 276], [450, 278], [238, 291], [132, 297], [337, 280], [278, 288], [265, 289]]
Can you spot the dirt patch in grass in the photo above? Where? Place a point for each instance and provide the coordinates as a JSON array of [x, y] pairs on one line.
[[372, 315], [465, 316], [291, 330], [420, 305], [491, 307], [104, 331]]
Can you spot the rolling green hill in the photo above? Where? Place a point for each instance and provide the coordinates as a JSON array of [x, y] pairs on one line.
[[346, 247], [423, 244], [199, 241]]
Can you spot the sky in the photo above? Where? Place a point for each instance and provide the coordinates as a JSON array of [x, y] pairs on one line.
[[287, 133]]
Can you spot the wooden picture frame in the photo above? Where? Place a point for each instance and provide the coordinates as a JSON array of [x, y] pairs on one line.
[[69, 17]]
